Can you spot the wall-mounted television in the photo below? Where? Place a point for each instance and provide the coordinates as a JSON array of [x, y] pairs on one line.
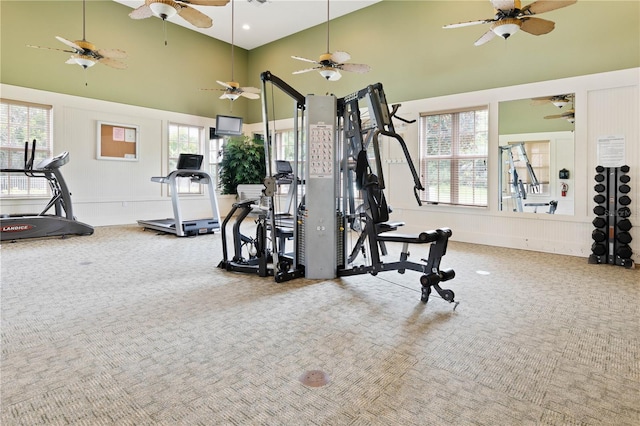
[[228, 126]]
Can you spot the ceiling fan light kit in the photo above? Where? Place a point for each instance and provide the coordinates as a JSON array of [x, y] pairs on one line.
[[329, 73], [163, 9], [230, 95], [506, 27], [82, 60], [560, 103]]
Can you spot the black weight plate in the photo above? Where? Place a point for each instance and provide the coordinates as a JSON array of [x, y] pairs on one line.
[[624, 189], [625, 178], [598, 249], [599, 198], [599, 222], [599, 178], [624, 169], [599, 169], [598, 236], [623, 225], [600, 188], [624, 237], [624, 252], [624, 200], [599, 210], [624, 212]]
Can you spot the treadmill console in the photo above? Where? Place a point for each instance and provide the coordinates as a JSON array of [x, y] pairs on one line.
[[54, 162]]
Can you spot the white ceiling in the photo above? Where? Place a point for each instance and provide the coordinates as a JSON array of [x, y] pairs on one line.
[[269, 21]]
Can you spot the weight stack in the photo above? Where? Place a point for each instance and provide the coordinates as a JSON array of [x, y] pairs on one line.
[[611, 235]]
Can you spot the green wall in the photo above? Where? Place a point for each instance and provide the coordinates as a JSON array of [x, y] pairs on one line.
[[403, 41]]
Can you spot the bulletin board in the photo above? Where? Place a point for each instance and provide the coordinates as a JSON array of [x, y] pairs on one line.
[[117, 141]]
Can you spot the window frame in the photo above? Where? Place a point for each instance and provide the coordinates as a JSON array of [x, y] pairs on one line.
[[35, 188], [479, 173]]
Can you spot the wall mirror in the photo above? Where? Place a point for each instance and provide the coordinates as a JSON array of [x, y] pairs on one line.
[[536, 155]]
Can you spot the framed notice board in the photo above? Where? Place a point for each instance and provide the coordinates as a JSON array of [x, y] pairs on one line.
[[117, 141]]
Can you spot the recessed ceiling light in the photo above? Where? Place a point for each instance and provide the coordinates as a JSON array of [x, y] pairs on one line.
[[246, 27]]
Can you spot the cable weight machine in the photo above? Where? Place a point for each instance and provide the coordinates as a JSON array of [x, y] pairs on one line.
[[338, 196]]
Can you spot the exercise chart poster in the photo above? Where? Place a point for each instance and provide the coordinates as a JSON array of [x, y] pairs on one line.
[[611, 151]]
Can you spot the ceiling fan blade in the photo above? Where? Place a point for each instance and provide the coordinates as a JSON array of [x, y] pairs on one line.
[[195, 17], [336, 76], [540, 101], [469, 23], [51, 48], [305, 59], [222, 83], [537, 26], [142, 12], [486, 37], [503, 5], [359, 68], [307, 70], [542, 6], [205, 2], [251, 90], [113, 63], [250, 95], [567, 114], [69, 43], [112, 53], [339, 57]]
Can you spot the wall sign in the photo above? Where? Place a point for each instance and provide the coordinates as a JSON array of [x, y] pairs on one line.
[[611, 151]]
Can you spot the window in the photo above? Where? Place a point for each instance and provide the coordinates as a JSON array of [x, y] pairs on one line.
[[215, 157], [22, 122], [285, 145], [188, 140], [453, 156], [284, 149]]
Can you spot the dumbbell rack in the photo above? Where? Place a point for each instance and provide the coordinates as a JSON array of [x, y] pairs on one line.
[[611, 235]]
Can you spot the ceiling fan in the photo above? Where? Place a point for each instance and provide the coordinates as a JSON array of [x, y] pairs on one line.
[[330, 64], [511, 16], [86, 54], [232, 89], [558, 100], [166, 9]]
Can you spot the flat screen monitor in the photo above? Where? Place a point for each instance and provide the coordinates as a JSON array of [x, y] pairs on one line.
[[228, 126], [190, 161]]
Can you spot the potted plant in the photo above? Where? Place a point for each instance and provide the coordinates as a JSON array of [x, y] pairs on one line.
[[243, 162]]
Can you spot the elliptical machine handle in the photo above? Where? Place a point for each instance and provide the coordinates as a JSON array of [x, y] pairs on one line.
[[28, 162]]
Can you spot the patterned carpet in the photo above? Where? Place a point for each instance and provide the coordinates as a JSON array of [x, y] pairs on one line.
[[127, 327]]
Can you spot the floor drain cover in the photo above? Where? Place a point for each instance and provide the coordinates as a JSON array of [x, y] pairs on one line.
[[314, 378]]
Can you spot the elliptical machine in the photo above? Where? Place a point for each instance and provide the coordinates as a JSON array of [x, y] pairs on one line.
[[37, 225]]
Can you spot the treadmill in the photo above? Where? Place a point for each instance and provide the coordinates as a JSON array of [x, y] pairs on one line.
[[188, 167]]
